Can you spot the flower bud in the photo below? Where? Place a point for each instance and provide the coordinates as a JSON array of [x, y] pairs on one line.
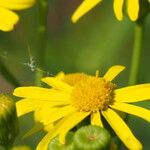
[[91, 138], [8, 121]]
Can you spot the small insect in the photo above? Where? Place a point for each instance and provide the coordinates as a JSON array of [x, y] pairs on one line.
[[31, 64]]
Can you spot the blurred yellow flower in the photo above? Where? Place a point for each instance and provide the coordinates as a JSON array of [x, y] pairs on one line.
[[21, 147], [87, 5], [8, 18], [73, 97]]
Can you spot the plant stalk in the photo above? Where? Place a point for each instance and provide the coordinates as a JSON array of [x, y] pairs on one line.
[[137, 49], [42, 39]]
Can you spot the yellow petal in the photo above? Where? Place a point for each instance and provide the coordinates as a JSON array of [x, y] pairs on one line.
[[60, 75], [133, 93], [57, 84], [48, 127], [43, 145], [26, 106], [62, 128], [118, 6], [113, 72], [47, 115], [41, 94], [16, 4], [96, 119], [133, 9], [71, 121], [84, 8], [53, 133], [7, 19], [132, 109], [122, 130]]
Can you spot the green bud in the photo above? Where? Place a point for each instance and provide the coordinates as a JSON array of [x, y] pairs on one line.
[[8, 121], [91, 138], [56, 145]]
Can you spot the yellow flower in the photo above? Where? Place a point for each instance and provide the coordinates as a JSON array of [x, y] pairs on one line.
[[87, 5], [8, 18], [73, 97], [21, 147]]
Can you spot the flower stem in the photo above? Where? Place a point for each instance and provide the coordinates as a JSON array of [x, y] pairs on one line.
[[137, 48], [8, 75], [42, 38]]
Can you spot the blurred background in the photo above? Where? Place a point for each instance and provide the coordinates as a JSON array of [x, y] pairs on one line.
[[97, 41]]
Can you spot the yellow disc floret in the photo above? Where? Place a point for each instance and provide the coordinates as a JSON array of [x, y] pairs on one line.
[[74, 78], [92, 94]]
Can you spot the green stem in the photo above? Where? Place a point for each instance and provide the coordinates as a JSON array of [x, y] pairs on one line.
[[8, 75], [137, 48], [42, 38]]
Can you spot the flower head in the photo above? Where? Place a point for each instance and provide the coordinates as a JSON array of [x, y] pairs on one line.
[[8, 18], [132, 9], [73, 97]]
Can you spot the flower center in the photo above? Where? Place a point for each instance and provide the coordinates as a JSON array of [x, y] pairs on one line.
[[92, 94]]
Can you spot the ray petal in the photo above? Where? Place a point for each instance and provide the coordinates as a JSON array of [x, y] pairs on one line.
[[28, 105], [121, 129], [16, 4], [84, 8], [133, 9], [47, 115], [113, 72], [132, 109], [7, 19], [96, 119], [48, 127], [62, 128], [50, 135], [57, 84], [60, 75], [41, 94], [71, 122], [25, 106], [133, 93], [118, 6]]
